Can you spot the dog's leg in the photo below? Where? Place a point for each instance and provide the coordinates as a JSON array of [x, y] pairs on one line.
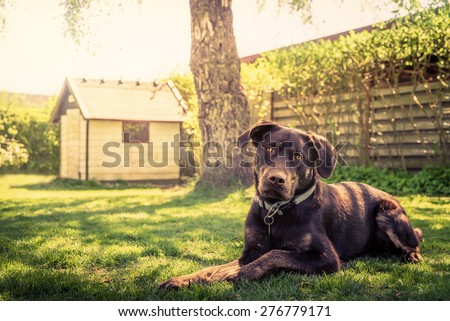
[[308, 262], [226, 272], [394, 230]]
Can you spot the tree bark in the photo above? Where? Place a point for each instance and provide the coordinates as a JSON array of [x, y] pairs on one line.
[[223, 109]]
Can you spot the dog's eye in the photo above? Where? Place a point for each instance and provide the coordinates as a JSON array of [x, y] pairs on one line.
[[269, 149], [298, 156]]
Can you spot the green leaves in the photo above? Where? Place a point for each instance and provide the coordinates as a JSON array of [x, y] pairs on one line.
[[12, 152], [341, 77], [429, 181], [327, 68], [27, 139]]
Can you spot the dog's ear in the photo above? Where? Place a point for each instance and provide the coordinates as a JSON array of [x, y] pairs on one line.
[[325, 157], [256, 131]]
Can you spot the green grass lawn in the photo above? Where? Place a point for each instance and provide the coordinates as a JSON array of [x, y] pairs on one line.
[[64, 240]]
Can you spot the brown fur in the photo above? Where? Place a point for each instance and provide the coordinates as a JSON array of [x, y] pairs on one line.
[[337, 222]]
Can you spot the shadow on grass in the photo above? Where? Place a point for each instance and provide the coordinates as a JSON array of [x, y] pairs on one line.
[[51, 241]]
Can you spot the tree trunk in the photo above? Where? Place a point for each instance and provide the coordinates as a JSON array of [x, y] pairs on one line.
[[223, 109]]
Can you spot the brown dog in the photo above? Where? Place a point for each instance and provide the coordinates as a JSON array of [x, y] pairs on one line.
[[298, 223]]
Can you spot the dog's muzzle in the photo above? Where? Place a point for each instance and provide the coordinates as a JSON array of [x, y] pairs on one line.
[[277, 184]]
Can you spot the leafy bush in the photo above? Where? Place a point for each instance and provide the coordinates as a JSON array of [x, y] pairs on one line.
[[191, 128], [347, 65], [28, 125], [430, 181], [12, 152], [186, 87], [42, 142]]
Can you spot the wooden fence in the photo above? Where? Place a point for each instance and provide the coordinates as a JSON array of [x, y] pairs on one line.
[[407, 127]]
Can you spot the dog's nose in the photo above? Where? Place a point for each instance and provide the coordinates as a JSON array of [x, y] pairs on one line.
[[277, 179]]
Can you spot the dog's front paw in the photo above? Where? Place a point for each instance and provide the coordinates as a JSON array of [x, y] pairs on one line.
[[175, 283], [413, 257]]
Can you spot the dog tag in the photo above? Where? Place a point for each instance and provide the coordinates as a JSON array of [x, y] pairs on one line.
[[268, 220]]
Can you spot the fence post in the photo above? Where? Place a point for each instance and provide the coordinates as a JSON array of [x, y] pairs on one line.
[[365, 122]]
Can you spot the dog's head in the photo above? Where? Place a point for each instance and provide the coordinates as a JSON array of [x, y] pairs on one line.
[[287, 160]]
